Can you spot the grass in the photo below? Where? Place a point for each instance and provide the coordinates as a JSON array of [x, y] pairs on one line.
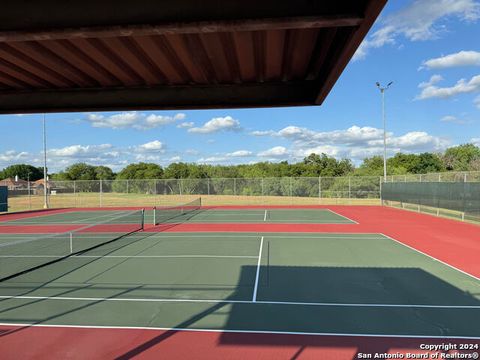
[[23, 203]]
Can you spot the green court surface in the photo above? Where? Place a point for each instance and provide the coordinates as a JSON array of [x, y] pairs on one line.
[[295, 283], [302, 216]]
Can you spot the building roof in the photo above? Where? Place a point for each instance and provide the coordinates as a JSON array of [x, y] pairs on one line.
[[173, 54], [13, 182]]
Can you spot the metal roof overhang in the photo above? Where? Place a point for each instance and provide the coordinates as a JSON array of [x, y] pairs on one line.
[[148, 54]]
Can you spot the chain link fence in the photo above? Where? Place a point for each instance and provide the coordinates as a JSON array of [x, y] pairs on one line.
[[214, 191], [218, 191], [452, 176], [462, 205]]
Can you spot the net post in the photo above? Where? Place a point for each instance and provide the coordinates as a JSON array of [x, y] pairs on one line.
[[154, 215], [71, 243], [143, 219], [200, 201]]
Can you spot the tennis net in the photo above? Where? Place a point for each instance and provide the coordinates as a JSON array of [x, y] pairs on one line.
[[173, 214], [29, 253]]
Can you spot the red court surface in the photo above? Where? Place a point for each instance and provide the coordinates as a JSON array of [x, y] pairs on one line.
[[452, 242]]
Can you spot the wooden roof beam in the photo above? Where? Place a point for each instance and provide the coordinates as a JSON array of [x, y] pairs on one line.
[[202, 27]]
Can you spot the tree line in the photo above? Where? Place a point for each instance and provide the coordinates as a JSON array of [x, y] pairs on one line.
[[458, 158]]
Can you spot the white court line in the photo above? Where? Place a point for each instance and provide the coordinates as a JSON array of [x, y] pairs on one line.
[[20, 222], [433, 258], [342, 216], [265, 216], [257, 275], [263, 332], [355, 236], [131, 257], [252, 302]]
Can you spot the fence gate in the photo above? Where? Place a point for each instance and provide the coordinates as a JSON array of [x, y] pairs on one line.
[[3, 198]]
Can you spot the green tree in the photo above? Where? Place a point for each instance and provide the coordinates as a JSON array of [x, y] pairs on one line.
[[78, 171], [23, 171], [141, 171], [324, 165], [461, 158], [104, 173]]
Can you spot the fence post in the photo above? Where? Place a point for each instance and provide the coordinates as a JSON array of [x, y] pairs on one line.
[[29, 196], [319, 189], [349, 188], [101, 192], [180, 186], [74, 193], [464, 177], [235, 186], [127, 186], [380, 190], [208, 186], [439, 177]]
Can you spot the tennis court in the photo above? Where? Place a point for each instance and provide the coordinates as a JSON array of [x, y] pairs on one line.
[[275, 282], [192, 213]]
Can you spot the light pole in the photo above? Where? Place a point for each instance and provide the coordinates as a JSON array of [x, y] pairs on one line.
[[45, 181], [382, 91]]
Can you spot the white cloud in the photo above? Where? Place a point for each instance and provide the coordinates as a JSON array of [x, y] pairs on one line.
[[476, 101], [152, 146], [153, 121], [354, 134], [185, 125], [81, 151], [262, 133], [214, 125], [430, 90], [12, 155], [132, 119], [192, 152], [117, 121], [461, 58], [475, 141], [452, 119], [277, 151], [355, 142], [211, 159], [175, 159], [330, 150], [239, 153], [419, 21], [418, 140]]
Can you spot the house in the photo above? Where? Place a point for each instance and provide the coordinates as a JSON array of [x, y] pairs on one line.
[[14, 184]]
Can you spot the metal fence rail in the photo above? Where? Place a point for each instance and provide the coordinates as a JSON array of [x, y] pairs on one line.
[[216, 191], [219, 191], [458, 199]]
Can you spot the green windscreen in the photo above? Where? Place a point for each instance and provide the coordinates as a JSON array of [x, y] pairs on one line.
[[3, 198], [458, 196]]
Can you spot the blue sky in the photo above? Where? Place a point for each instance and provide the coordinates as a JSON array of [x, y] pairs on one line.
[[429, 48]]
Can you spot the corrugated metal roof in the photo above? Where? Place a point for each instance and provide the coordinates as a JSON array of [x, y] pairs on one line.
[[106, 55]]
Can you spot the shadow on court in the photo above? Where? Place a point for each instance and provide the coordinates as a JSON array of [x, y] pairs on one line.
[[290, 299], [339, 285], [305, 287]]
